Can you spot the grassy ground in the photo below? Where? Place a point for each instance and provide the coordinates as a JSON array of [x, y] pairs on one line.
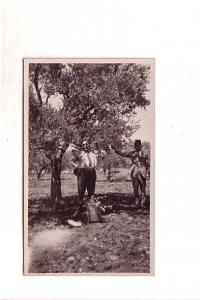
[[121, 243]]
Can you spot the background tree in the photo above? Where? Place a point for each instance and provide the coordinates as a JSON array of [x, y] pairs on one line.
[[38, 163]]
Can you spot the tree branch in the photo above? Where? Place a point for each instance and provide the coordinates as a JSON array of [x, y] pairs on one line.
[[123, 153], [47, 98], [37, 69], [84, 117]]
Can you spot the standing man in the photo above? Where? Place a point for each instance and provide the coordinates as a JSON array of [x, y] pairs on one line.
[[85, 164], [139, 170]]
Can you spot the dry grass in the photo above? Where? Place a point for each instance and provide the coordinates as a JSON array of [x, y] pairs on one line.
[[121, 243]]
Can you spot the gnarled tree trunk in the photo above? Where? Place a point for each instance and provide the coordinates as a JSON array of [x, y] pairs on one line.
[[56, 194]]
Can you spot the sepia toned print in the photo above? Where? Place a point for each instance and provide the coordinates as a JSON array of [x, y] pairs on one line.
[[89, 166]]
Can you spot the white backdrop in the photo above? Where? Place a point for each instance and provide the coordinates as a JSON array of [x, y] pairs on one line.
[[166, 30]]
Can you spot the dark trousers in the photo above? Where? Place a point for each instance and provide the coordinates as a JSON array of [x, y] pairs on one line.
[[86, 180], [139, 182]]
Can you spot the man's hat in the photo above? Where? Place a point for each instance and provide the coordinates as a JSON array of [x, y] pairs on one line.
[[138, 143]]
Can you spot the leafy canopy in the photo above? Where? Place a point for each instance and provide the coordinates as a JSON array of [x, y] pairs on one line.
[[99, 102]]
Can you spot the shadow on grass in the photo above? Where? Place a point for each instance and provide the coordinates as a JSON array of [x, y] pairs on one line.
[[119, 179], [42, 210]]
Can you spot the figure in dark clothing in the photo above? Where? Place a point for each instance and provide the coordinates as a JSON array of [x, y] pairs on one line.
[[139, 170]]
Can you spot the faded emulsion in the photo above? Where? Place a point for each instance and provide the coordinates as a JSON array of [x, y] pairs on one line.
[[89, 166]]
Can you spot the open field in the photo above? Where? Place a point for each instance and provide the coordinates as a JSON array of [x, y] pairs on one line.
[[121, 243]]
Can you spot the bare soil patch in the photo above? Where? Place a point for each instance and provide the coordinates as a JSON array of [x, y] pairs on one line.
[[119, 244]]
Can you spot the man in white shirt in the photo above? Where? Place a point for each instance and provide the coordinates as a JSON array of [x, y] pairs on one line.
[[85, 163]]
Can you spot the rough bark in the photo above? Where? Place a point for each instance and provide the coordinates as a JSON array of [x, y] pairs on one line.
[[37, 69], [56, 160], [56, 194]]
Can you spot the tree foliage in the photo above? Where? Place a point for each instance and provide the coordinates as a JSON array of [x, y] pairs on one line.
[[99, 102]]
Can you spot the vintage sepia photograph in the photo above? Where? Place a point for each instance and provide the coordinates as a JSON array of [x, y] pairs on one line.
[[89, 166]]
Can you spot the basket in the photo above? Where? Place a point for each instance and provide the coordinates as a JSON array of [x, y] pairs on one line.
[[94, 212]]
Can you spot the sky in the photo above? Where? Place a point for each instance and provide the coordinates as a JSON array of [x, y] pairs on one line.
[[146, 122], [147, 117]]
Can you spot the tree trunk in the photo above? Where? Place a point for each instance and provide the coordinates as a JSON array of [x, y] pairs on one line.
[[55, 156], [47, 100], [40, 172], [36, 79], [56, 195]]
